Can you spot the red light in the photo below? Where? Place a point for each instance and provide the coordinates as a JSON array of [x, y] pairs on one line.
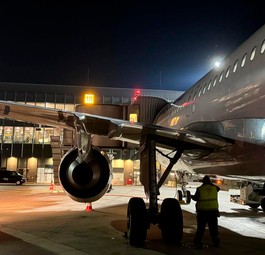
[[137, 92]]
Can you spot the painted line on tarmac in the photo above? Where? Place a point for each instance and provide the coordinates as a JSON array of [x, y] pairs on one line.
[[57, 248]]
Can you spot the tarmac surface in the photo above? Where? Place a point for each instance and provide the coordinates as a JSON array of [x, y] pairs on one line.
[[36, 221]]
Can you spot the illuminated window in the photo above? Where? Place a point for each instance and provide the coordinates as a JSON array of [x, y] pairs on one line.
[[214, 81], [41, 104], [243, 60], [28, 136], [48, 132], [209, 84], [50, 105], [195, 95], [39, 135], [221, 76], [18, 134], [31, 103], [262, 47], [235, 66], [200, 91], [59, 106], [70, 107], [204, 88], [8, 133], [227, 72], [1, 133], [252, 55]]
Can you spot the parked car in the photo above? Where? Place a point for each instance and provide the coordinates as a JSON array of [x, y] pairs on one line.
[[8, 176]]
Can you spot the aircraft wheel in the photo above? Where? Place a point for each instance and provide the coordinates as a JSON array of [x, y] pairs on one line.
[[179, 195], [254, 206], [263, 204], [136, 221], [171, 221], [188, 197]]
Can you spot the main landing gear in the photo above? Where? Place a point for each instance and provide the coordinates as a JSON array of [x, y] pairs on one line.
[[139, 218]]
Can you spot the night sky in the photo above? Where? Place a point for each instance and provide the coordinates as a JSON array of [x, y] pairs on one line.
[[146, 44]]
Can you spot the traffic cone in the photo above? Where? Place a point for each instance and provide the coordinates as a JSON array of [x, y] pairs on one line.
[[89, 207], [51, 186]]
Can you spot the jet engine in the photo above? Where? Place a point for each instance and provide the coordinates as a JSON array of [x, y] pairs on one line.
[[85, 181]]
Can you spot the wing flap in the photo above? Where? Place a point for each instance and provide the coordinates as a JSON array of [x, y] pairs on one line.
[[36, 115]]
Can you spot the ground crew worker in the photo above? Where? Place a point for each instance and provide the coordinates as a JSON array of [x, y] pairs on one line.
[[207, 211]]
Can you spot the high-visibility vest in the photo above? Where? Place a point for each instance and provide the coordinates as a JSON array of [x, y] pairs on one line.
[[208, 198]]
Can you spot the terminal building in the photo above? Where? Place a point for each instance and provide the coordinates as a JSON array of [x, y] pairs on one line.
[[35, 151]]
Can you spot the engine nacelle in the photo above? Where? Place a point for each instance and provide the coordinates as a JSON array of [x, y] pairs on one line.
[[85, 181]]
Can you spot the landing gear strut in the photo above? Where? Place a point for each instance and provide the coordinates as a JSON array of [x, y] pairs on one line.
[[183, 194], [139, 218]]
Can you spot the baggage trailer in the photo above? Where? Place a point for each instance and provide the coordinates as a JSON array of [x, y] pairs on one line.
[[251, 194]]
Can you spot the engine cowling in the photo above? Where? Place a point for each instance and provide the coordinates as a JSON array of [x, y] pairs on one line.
[[85, 181]]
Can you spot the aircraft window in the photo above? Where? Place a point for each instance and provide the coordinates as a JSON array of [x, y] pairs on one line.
[[209, 84], [200, 91], [214, 81], [204, 88], [252, 55], [193, 106], [235, 66], [221, 76], [262, 47], [188, 107], [243, 60], [195, 95], [227, 72]]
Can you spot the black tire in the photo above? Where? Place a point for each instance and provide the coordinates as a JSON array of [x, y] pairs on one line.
[[263, 204], [254, 206], [188, 197], [137, 223], [18, 183], [179, 195], [171, 221]]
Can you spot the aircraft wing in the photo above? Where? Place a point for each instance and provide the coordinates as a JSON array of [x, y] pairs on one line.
[[109, 127]]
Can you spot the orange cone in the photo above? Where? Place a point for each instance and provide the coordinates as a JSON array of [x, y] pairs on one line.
[[51, 186], [89, 207]]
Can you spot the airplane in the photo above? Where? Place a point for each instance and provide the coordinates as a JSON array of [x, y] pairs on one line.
[[216, 127]]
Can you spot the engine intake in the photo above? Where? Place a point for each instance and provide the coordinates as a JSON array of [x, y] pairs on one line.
[[85, 181]]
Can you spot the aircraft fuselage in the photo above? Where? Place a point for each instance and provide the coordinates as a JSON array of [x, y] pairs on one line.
[[229, 102]]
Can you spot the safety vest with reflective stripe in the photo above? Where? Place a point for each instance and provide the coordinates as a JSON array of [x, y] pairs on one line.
[[208, 198]]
